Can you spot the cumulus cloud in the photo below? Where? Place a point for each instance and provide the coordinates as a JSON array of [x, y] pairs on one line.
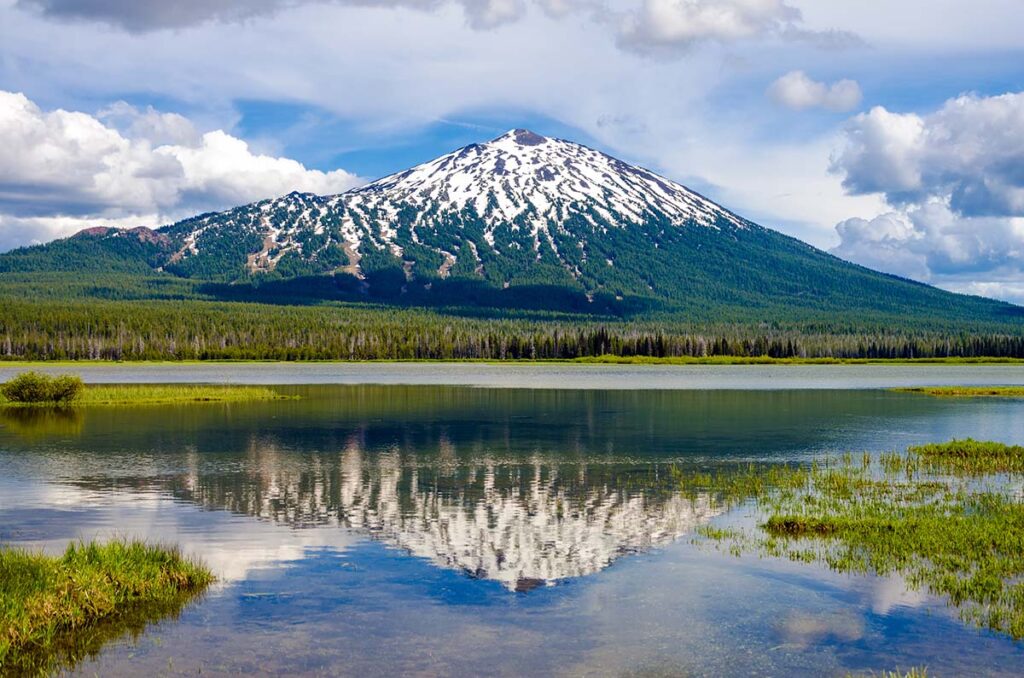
[[663, 27], [797, 91], [970, 151], [62, 170], [955, 181]]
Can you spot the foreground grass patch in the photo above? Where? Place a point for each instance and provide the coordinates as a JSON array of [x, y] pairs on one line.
[[154, 394], [942, 516], [54, 611], [967, 391]]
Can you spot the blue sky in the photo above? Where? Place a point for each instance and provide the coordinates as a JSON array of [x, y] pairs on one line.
[[888, 133]]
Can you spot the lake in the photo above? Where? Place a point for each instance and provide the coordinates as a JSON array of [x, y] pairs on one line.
[[486, 519]]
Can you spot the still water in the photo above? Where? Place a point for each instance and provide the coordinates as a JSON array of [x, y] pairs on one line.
[[452, 530]]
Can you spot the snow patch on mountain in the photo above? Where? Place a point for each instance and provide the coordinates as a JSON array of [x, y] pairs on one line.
[[531, 185]]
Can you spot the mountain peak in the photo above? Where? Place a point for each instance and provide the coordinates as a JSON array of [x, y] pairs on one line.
[[523, 137], [520, 197]]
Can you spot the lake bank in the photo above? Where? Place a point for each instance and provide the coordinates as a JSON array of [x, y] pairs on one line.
[[557, 376], [592, 360], [55, 611]]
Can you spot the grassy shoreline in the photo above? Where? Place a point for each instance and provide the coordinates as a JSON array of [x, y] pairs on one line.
[[54, 611], [160, 394], [945, 517], [966, 391], [591, 360]]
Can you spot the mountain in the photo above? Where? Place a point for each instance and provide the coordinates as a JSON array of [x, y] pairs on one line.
[[522, 220]]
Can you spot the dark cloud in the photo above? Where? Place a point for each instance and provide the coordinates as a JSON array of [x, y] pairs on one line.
[[147, 15], [153, 15]]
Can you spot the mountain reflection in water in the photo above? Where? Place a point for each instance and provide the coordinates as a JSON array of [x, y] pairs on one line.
[[524, 525], [521, 487]]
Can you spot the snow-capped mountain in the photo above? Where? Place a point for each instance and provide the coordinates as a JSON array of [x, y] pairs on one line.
[[499, 209], [524, 178], [519, 221]]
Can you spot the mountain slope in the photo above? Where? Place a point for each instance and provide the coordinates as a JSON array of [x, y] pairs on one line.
[[529, 220]]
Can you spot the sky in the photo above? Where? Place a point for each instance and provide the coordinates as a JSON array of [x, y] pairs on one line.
[[889, 133]]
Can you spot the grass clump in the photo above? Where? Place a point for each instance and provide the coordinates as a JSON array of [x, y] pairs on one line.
[[54, 611], [967, 391], [34, 389], [968, 457], [929, 516]]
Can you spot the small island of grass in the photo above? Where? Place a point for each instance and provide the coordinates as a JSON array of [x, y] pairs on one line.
[[947, 517], [56, 610], [33, 389], [967, 391]]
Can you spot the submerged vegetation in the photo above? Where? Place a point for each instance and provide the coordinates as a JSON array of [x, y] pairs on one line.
[[34, 388], [967, 391], [937, 516], [55, 611]]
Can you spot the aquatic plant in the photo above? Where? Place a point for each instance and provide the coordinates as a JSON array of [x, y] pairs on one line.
[[926, 516], [54, 611]]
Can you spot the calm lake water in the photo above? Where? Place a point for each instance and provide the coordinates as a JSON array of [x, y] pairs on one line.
[[383, 529]]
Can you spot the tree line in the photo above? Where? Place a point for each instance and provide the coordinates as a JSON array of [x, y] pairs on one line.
[[89, 329]]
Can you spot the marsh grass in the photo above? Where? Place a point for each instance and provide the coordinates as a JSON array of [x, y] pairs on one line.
[[56, 611], [967, 391], [941, 516], [966, 457], [160, 394]]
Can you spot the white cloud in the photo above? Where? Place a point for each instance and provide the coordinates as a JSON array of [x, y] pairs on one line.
[[954, 179], [484, 14], [970, 152], [797, 91], [666, 27], [678, 24], [62, 170]]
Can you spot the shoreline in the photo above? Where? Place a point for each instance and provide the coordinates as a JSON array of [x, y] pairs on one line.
[[631, 361]]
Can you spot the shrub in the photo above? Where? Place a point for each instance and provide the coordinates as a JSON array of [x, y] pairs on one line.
[[34, 387]]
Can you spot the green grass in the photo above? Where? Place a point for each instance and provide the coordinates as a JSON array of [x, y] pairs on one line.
[[962, 457], [159, 394], [55, 611], [942, 516], [967, 391]]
